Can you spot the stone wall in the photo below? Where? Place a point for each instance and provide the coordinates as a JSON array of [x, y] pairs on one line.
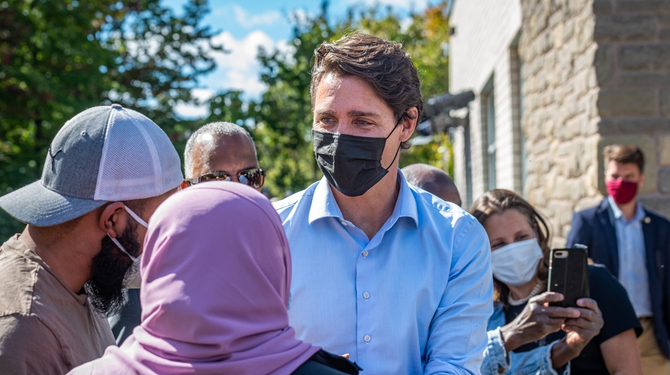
[[595, 72], [633, 72], [560, 117]]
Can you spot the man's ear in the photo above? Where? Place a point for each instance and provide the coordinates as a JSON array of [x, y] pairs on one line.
[[111, 220], [408, 123], [641, 181]]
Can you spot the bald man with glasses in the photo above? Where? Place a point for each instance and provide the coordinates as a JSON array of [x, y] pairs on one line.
[[222, 151]]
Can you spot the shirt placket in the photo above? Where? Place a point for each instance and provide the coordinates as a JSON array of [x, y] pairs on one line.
[[364, 279], [366, 336]]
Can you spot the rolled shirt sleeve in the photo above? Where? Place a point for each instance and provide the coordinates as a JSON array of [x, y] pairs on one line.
[[458, 330], [536, 361]]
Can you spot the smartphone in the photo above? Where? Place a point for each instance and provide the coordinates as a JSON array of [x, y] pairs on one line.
[[569, 275]]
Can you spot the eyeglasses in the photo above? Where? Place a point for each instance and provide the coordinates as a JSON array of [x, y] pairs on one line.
[[254, 177]]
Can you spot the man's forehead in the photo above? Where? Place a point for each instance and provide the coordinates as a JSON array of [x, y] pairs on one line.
[[230, 146], [234, 139], [337, 93], [224, 152], [333, 80], [614, 165]]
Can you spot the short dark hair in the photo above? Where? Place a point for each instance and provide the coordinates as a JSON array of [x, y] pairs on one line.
[[624, 154], [382, 64], [495, 202]]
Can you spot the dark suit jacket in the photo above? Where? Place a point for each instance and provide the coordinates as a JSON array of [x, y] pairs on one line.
[[595, 228]]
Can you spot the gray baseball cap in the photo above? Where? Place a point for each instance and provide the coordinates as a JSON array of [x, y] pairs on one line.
[[103, 154]]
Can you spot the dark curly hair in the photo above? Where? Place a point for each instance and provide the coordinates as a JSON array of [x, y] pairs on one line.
[[382, 64], [496, 201]]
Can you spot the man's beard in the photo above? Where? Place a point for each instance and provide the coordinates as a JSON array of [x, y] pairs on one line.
[[108, 271]]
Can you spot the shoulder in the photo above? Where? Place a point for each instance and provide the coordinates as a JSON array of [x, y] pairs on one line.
[[590, 212], [583, 222], [26, 343], [445, 217], [18, 275], [433, 206], [16, 326], [599, 272], [656, 217], [289, 203]]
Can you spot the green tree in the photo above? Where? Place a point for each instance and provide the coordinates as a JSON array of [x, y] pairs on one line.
[[283, 118], [61, 57], [226, 106], [426, 40]]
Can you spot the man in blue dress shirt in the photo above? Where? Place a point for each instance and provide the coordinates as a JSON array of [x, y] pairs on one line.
[[386, 272]]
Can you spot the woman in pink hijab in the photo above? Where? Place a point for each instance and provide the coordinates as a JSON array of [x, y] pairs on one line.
[[216, 274]]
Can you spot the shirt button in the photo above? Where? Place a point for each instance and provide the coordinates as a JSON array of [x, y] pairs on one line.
[[366, 338], [365, 254], [366, 295], [344, 223]]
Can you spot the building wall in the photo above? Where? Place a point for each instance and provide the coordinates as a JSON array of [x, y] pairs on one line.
[[597, 73], [594, 72], [483, 31], [560, 118], [633, 73], [479, 50]]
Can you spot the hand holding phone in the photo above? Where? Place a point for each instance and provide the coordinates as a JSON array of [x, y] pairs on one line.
[[569, 275], [536, 321]]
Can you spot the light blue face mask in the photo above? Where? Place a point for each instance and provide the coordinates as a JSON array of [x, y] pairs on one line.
[[132, 278], [516, 263]]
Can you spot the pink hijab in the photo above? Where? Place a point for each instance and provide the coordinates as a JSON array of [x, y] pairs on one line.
[[216, 274]]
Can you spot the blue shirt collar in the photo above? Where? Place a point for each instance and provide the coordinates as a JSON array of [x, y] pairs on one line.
[[324, 204], [618, 214]]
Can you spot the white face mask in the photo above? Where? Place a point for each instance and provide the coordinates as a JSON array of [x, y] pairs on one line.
[[132, 278], [516, 263]]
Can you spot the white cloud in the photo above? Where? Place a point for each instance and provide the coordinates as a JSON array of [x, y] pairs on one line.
[[301, 15], [236, 70], [239, 69], [202, 94], [198, 110], [406, 23], [245, 19], [248, 21], [191, 111], [403, 4]]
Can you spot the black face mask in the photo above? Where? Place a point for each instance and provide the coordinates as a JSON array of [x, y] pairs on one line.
[[352, 164]]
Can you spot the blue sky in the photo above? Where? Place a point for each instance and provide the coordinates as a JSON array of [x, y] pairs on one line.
[[243, 26]]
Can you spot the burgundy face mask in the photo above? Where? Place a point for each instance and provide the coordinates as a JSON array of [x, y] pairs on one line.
[[622, 191]]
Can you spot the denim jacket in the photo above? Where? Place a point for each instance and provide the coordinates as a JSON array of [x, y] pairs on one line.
[[496, 362]]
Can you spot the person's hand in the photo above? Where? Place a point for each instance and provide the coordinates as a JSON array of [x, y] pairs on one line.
[[579, 331], [538, 319]]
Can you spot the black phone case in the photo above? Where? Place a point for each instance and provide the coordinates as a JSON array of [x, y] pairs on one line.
[[569, 276]]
